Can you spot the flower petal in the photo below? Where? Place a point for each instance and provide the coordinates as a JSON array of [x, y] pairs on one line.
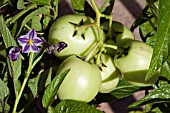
[[32, 34], [37, 41], [14, 53], [60, 46], [23, 40], [30, 48]]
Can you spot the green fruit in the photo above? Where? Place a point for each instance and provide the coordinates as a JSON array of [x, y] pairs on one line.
[[120, 33], [109, 73], [83, 81], [74, 31], [134, 63]]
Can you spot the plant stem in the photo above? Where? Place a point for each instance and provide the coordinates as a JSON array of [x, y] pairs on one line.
[[98, 16], [24, 82], [110, 46], [22, 12], [90, 54], [99, 47]]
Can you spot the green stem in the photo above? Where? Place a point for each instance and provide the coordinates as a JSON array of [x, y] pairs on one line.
[[28, 27], [98, 17], [22, 12], [99, 46], [90, 54], [24, 82], [109, 34], [98, 58], [110, 46]]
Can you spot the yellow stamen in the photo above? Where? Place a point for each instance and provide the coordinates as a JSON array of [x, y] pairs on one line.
[[30, 41]]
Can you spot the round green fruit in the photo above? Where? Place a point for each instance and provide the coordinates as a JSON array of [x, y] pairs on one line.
[[134, 63], [109, 73], [120, 33], [75, 31], [83, 81]]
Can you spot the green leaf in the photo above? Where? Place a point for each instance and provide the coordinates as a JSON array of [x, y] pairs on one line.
[[45, 79], [165, 70], [162, 45], [71, 106], [147, 32], [162, 83], [46, 21], [2, 68], [52, 89], [104, 5], [55, 8], [51, 110], [17, 86], [144, 17], [41, 2], [154, 6], [158, 95], [36, 23], [107, 9], [4, 91], [124, 89], [20, 4], [17, 16], [33, 85], [78, 5], [41, 10], [14, 67], [7, 37]]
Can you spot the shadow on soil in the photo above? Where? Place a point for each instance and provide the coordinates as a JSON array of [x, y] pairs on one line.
[[121, 105], [133, 7]]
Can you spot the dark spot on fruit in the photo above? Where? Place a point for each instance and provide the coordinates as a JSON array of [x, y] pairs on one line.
[[104, 65], [75, 25], [75, 33], [82, 35]]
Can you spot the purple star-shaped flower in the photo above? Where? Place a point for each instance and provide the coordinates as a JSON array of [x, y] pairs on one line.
[[60, 46], [29, 42], [14, 53]]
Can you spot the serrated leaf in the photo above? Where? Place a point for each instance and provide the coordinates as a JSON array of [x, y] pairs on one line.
[[78, 5], [52, 89], [123, 89], [71, 106], [41, 2], [162, 93], [162, 45]]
